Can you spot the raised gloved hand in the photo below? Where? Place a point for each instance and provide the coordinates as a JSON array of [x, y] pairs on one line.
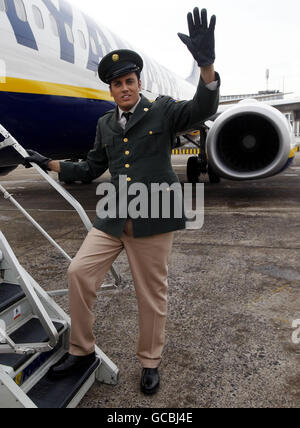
[[37, 158], [201, 42]]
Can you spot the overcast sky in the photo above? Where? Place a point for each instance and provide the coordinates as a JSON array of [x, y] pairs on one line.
[[251, 37]]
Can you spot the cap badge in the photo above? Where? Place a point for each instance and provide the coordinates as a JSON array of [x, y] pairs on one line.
[[115, 58]]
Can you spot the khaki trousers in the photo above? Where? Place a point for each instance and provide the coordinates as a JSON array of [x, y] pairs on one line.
[[148, 259]]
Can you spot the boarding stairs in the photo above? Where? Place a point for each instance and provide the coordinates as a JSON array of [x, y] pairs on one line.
[[34, 330]]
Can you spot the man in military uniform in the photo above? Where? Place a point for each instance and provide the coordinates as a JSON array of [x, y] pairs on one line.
[[135, 141]]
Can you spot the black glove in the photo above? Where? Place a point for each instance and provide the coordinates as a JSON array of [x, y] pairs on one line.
[[35, 157], [201, 42]]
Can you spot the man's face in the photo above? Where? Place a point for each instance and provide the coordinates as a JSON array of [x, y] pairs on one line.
[[126, 91]]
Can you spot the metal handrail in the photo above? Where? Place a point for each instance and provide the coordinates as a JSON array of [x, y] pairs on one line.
[[9, 197], [9, 140], [35, 303]]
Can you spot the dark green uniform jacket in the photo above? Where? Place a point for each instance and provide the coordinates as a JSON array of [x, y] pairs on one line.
[[142, 153]]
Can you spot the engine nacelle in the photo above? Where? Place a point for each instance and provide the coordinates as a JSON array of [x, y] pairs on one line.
[[249, 141]]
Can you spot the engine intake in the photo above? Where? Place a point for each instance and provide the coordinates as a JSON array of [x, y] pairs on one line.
[[249, 141]]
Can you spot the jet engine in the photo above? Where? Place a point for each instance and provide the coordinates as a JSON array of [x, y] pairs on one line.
[[249, 141]]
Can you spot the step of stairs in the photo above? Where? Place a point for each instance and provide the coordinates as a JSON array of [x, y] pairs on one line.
[[59, 393], [30, 332], [9, 295], [34, 335]]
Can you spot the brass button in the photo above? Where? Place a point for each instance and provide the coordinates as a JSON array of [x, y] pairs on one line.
[[125, 140], [127, 153], [127, 166], [128, 179], [150, 132], [146, 109]]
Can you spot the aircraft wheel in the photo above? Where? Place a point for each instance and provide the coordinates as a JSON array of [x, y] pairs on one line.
[[4, 170], [192, 171], [213, 177]]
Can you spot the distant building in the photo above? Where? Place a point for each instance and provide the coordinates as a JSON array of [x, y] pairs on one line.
[[260, 96]]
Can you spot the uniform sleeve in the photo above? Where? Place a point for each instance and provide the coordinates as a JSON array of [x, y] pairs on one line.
[[186, 115], [94, 166]]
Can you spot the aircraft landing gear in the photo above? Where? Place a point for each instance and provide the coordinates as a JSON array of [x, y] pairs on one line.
[[193, 170], [213, 177], [199, 165], [4, 170]]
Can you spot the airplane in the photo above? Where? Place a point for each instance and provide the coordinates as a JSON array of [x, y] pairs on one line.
[[51, 97]]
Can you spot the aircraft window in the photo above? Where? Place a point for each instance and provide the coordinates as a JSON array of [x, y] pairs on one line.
[[54, 26], [38, 17], [93, 44], [69, 33], [20, 10], [81, 39], [3, 7]]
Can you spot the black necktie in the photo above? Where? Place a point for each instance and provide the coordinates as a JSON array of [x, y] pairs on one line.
[[127, 116]]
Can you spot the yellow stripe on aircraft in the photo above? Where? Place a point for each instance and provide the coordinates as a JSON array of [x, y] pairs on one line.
[[293, 152], [197, 152], [11, 84], [186, 152]]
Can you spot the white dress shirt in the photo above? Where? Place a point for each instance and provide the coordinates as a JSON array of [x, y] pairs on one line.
[[122, 120]]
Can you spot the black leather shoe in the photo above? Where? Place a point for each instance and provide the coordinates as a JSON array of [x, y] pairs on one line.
[[69, 364], [150, 381]]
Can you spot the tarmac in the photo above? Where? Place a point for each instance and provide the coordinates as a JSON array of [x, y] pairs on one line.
[[233, 292]]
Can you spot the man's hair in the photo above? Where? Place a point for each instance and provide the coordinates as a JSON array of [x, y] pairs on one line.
[[138, 75]]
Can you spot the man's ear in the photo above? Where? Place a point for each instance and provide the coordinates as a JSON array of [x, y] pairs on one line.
[[140, 85]]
